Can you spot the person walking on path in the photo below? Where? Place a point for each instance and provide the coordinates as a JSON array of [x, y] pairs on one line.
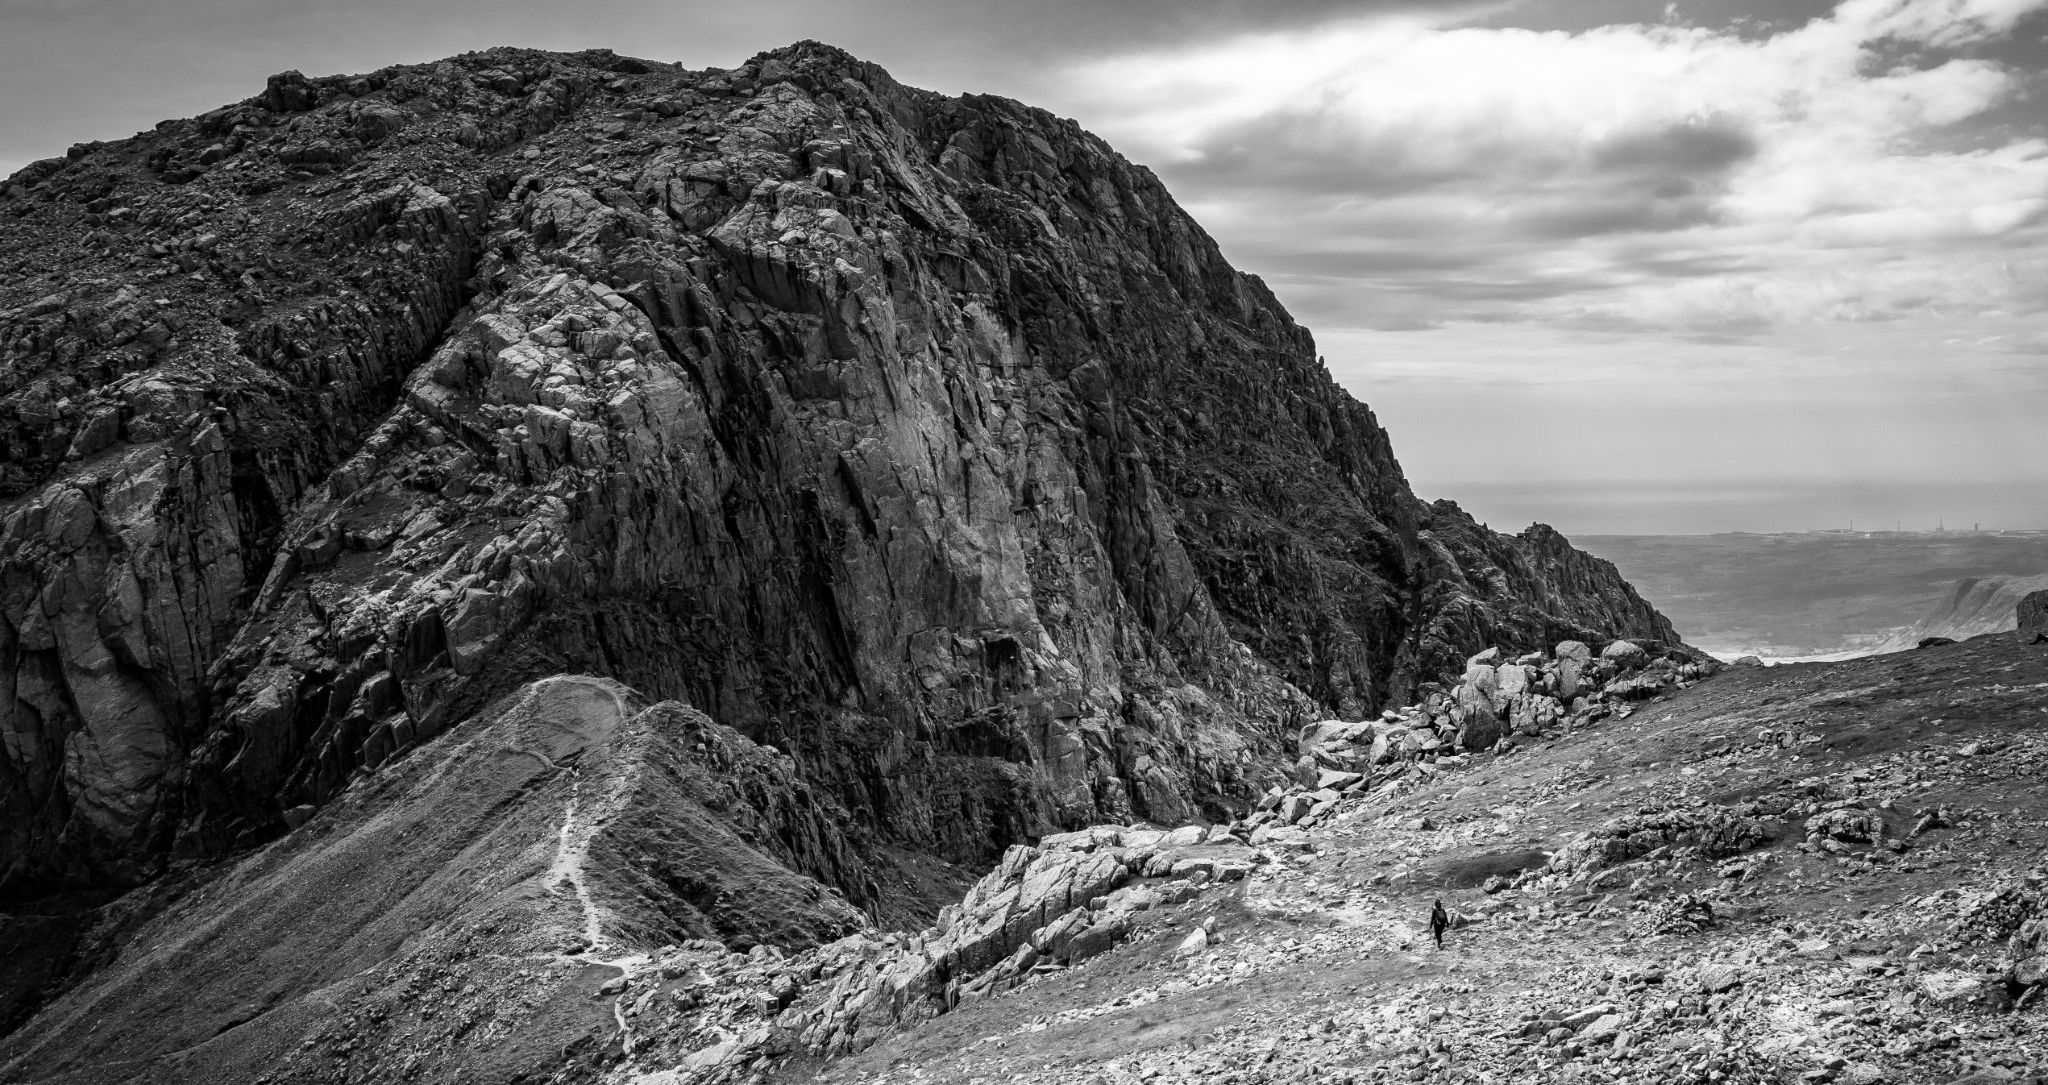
[[1439, 922]]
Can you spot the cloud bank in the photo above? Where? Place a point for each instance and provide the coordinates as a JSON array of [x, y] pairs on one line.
[[1407, 170]]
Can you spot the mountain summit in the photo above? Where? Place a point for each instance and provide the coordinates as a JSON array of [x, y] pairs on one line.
[[922, 443], [923, 438]]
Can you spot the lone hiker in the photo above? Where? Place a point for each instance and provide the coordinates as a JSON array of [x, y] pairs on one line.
[[1439, 922]]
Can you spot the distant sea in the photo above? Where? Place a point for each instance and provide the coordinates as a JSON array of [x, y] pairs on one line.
[[1680, 506], [1811, 596]]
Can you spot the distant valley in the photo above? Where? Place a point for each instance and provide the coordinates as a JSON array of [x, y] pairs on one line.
[[1829, 594]]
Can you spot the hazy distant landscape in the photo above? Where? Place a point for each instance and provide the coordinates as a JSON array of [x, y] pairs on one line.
[[1822, 593]]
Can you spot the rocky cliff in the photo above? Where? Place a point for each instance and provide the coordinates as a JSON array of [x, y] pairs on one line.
[[924, 440]]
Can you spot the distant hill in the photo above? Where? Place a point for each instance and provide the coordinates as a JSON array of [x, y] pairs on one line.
[[1977, 604], [1828, 593]]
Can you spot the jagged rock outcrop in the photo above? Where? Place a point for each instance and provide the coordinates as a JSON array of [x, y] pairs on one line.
[[1711, 833], [922, 438], [1524, 591], [1528, 696], [2030, 614]]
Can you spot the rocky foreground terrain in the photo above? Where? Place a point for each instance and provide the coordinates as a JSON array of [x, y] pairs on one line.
[[1809, 873]]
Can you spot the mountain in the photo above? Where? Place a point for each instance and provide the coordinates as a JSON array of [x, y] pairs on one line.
[[923, 438], [922, 446]]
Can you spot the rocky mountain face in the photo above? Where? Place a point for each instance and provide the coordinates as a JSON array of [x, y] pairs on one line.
[[924, 441]]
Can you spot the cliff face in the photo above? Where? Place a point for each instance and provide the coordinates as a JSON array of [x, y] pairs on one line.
[[923, 439]]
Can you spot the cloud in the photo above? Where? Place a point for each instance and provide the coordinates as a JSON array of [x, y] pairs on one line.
[[1691, 146], [1089, 26], [1706, 181], [1641, 425], [1932, 22]]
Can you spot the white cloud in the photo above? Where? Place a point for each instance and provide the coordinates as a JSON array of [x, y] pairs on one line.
[[1403, 170]]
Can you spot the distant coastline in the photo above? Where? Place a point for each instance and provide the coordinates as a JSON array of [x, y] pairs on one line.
[[1709, 507], [1830, 595]]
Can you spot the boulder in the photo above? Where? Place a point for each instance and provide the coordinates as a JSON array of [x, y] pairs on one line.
[[1392, 744], [1951, 988], [1845, 827], [2032, 612], [2026, 953], [1478, 728], [1339, 745], [1625, 654], [1338, 781], [1295, 807], [1584, 1016], [1532, 714], [376, 122], [1278, 835], [1716, 978], [1085, 839], [1096, 939], [1604, 1027], [1221, 868], [1480, 681]]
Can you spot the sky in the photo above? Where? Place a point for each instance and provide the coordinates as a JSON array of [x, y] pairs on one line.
[[1621, 266]]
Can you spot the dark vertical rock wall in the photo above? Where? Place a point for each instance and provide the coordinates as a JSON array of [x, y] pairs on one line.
[[923, 438]]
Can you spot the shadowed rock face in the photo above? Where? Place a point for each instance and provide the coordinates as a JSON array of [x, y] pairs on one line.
[[923, 438]]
